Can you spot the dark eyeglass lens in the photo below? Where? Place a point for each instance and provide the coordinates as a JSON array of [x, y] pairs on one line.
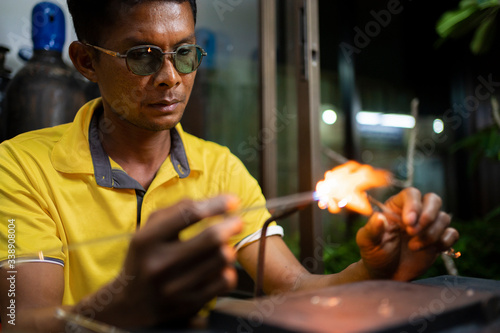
[[144, 60], [187, 59], [148, 60]]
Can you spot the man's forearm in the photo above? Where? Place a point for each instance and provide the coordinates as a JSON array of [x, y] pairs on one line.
[[352, 273], [44, 318], [36, 320], [47, 320]]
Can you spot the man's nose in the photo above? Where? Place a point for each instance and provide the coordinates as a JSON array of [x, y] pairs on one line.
[[168, 74]]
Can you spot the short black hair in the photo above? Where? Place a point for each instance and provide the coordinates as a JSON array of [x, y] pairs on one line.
[[92, 17]]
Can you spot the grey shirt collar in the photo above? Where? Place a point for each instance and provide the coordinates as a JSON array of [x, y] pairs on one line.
[[115, 178]]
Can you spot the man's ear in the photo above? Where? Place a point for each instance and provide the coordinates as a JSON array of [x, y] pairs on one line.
[[83, 59]]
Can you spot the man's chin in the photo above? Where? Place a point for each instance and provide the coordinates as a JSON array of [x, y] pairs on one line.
[[158, 127], [156, 124]]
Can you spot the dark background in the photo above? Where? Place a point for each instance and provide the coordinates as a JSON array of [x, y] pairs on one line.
[[406, 54]]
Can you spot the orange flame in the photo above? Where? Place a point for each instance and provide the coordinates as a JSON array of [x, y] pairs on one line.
[[346, 186]]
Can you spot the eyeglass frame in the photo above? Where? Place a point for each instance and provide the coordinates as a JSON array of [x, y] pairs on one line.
[[124, 56]]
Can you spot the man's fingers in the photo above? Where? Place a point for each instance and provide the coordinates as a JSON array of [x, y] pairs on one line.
[[219, 286], [430, 211], [196, 298], [432, 234], [191, 252], [166, 223], [408, 203], [203, 272], [212, 240], [417, 213], [371, 234], [450, 236], [447, 239]]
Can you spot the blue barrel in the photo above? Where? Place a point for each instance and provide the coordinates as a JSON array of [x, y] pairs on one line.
[[45, 92], [48, 27]]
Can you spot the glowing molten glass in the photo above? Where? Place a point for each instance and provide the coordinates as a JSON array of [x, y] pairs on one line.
[[346, 186]]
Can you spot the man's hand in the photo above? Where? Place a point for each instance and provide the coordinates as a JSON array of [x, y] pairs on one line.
[[171, 280], [404, 249]]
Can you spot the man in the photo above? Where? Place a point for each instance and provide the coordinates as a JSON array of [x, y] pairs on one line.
[[125, 158]]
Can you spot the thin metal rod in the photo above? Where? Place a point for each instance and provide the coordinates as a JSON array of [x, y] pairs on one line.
[[259, 280], [85, 322], [282, 203], [280, 208], [72, 247], [273, 205], [386, 210]]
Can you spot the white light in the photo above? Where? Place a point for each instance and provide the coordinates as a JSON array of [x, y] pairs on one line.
[[342, 203], [329, 117], [368, 118], [398, 120], [438, 126], [387, 120]]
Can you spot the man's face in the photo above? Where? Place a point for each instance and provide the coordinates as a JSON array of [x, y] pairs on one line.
[[155, 102]]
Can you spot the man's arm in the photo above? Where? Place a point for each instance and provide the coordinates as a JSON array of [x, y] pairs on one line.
[[167, 279], [283, 272], [38, 290], [389, 251]]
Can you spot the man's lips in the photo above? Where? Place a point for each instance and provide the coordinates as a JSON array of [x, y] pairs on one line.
[[165, 106]]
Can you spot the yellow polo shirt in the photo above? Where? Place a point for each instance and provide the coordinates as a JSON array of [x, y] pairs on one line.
[[68, 203]]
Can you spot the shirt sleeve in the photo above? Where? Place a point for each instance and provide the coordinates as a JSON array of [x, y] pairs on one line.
[[273, 230], [239, 182], [27, 231]]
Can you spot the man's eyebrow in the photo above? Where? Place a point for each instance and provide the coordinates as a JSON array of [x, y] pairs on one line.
[[188, 39], [135, 41]]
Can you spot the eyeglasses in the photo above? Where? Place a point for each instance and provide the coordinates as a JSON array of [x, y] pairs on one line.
[[147, 59]]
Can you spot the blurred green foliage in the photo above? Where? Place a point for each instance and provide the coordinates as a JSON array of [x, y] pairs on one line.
[[482, 144], [480, 247], [478, 17], [479, 238], [479, 244]]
